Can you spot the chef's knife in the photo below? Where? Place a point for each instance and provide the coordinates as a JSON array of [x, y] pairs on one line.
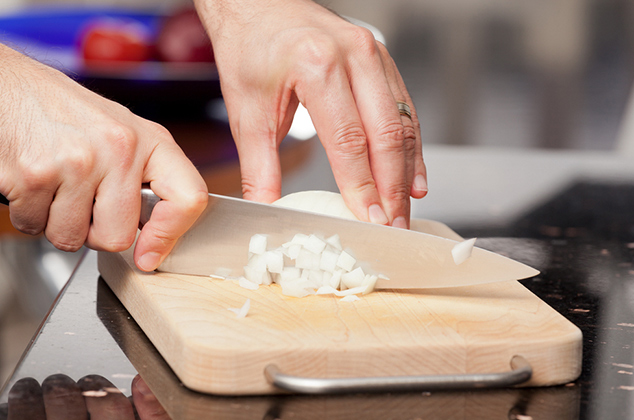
[[218, 244]]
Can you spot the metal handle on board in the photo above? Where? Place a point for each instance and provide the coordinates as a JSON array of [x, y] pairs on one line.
[[520, 373]]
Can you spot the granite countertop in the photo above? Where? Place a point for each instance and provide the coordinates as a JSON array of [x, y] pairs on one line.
[[581, 239]]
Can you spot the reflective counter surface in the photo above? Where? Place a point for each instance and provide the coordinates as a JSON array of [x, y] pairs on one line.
[[581, 239]]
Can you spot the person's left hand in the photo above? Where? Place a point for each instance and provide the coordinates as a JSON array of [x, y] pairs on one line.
[[93, 396], [273, 55]]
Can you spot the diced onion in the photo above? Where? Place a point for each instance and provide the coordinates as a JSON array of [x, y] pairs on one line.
[[346, 261], [308, 264], [353, 278], [248, 284], [257, 245], [314, 244], [462, 250], [243, 311]]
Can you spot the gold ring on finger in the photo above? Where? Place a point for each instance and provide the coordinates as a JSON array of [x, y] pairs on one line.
[[404, 109]]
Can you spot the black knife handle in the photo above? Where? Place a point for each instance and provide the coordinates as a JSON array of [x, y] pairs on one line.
[[3, 200]]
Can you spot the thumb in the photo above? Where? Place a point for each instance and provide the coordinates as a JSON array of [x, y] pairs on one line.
[[184, 197]]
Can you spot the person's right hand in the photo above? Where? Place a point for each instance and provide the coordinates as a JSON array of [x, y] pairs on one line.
[[72, 164]]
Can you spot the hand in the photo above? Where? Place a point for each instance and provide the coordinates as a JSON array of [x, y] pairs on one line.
[[92, 396], [271, 56], [72, 164]]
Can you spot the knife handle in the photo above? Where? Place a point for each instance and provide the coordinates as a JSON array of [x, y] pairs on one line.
[[148, 201], [520, 373], [148, 198]]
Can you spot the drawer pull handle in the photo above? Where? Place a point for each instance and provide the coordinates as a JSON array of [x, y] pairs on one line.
[[520, 373]]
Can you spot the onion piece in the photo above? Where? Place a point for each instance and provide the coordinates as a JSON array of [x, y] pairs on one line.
[[335, 280], [248, 284], [326, 290], [328, 261], [314, 244], [298, 288], [274, 261], [352, 291], [346, 261], [462, 251], [354, 278], [257, 244], [308, 260], [349, 298], [243, 311], [335, 242]]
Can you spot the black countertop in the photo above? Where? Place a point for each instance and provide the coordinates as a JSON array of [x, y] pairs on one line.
[[582, 241]]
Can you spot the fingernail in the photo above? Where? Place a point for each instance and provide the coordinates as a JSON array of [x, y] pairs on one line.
[[420, 183], [400, 223], [377, 215], [142, 387], [149, 261]]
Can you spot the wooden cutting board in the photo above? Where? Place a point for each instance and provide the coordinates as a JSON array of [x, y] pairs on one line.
[[474, 329]]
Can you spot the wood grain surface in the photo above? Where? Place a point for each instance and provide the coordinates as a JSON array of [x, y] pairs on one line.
[[474, 329]]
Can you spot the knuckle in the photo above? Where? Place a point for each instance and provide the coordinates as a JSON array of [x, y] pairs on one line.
[[256, 192], [392, 136], [29, 228], [79, 161], [123, 141], [36, 176], [66, 244], [409, 141], [161, 239], [319, 53], [364, 41], [351, 140], [398, 193], [194, 204]]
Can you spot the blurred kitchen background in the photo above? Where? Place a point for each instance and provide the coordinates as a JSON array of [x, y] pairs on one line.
[[518, 76]]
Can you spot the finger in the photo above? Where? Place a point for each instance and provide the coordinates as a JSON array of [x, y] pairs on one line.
[[117, 201], [419, 185], [29, 210], [416, 185], [63, 399], [26, 401], [339, 127], [257, 141], [184, 197], [376, 93], [147, 405], [115, 213], [69, 215], [103, 400]]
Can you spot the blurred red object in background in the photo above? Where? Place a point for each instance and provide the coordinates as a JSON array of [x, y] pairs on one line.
[[116, 40], [183, 39]]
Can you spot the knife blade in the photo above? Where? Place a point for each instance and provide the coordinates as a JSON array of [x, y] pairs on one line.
[[218, 245]]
